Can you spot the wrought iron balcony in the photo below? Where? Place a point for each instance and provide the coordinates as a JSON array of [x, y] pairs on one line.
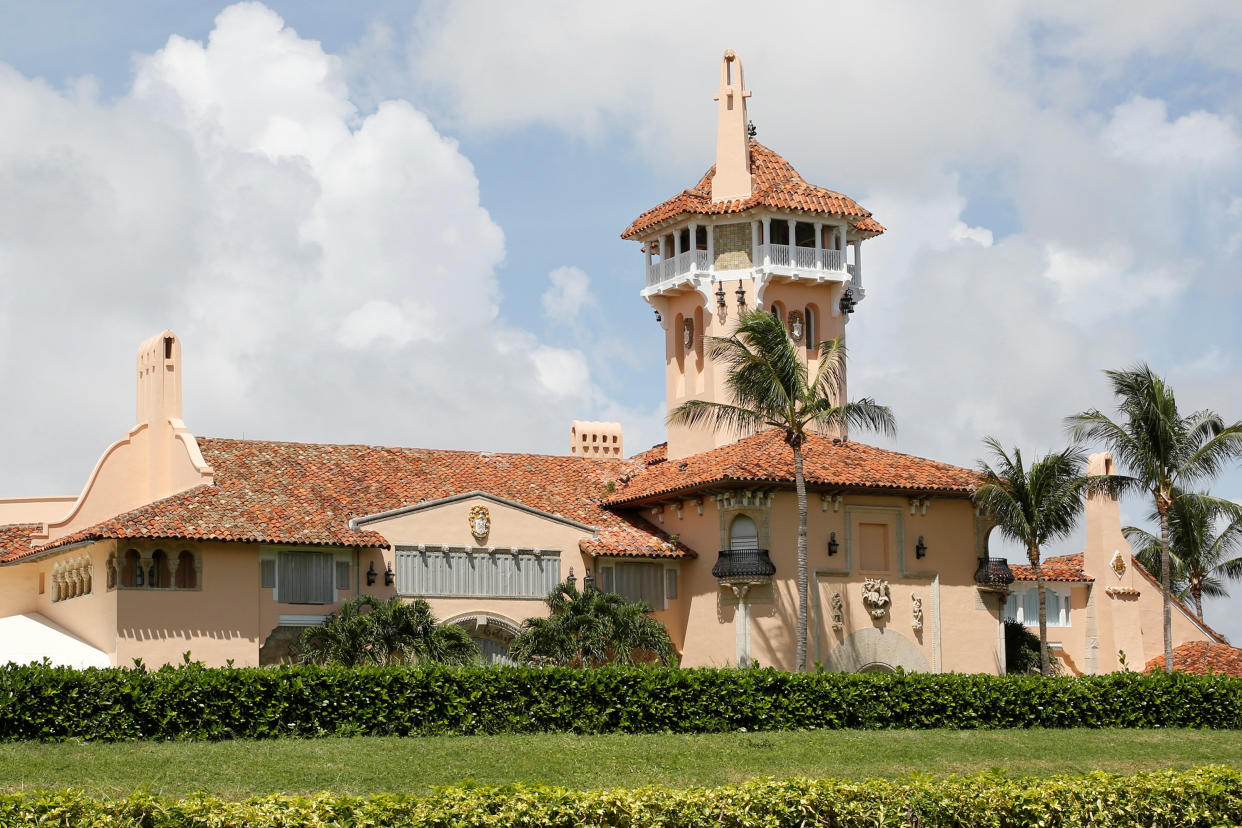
[[994, 574], [743, 563]]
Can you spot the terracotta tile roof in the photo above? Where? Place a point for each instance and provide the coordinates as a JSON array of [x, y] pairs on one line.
[[776, 184], [765, 458], [15, 542], [1201, 658], [305, 494], [1056, 568]]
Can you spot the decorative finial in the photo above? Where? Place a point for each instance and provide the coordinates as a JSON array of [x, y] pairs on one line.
[[731, 181], [751, 132]]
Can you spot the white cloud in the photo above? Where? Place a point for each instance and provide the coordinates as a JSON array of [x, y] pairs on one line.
[[569, 294], [332, 275], [1141, 133]]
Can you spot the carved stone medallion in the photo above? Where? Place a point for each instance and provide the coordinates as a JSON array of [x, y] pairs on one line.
[[1118, 563], [875, 596], [480, 522]]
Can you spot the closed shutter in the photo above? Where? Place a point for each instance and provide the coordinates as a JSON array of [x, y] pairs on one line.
[[306, 578], [1030, 607], [267, 574], [641, 582], [670, 584]]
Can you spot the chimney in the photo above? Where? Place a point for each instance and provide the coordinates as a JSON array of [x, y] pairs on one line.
[[159, 379], [598, 441], [732, 179]]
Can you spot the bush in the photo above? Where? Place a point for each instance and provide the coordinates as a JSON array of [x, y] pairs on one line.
[[1198, 797], [195, 702]]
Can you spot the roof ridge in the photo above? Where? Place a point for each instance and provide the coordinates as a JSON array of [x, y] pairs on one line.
[[373, 447]]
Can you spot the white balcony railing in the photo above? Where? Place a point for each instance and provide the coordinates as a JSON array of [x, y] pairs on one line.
[[803, 258], [681, 265], [771, 255]]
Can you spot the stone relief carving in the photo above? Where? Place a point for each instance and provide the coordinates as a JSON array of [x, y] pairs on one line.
[[838, 613], [875, 596], [917, 601]]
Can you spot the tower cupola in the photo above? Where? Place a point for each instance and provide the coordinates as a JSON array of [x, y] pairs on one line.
[[752, 233]]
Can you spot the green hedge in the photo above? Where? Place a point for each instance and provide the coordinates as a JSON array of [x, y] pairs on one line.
[[1199, 797], [194, 702]]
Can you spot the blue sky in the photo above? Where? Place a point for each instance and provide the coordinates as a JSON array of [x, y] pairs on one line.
[[421, 203]]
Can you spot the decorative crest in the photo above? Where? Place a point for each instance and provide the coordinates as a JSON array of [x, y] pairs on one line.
[[480, 522]]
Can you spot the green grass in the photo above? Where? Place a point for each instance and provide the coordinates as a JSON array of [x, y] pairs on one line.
[[369, 765]]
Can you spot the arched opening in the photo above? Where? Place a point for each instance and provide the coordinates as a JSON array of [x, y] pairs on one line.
[[187, 574], [877, 667], [491, 634], [812, 333], [159, 577], [113, 574], [131, 572], [743, 533], [778, 310]]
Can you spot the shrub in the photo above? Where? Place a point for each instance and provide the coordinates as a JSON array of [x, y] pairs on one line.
[[196, 702], [1198, 797]]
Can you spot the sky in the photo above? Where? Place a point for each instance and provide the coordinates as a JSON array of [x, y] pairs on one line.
[[398, 224]]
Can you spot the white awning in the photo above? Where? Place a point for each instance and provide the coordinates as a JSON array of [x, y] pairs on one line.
[[27, 638]]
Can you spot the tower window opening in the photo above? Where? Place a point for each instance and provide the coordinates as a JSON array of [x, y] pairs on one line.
[[168, 343]]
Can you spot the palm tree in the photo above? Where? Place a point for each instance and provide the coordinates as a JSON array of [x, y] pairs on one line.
[[590, 628], [1164, 452], [1202, 558], [367, 630], [1033, 507], [771, 388]]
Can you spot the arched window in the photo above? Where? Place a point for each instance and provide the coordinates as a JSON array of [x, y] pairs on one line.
[[187, 576], [811, 342], [160, 576], [131, 573], [112, 571], [743, 533]]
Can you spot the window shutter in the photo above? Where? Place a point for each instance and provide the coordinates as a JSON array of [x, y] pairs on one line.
[[267, 574], [670, 584], [305, 578], [1011, 607], [1030, 607], [342, 574], [606, 581]]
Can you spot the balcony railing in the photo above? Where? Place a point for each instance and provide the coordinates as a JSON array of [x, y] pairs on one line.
[[680, 265], [994, 573], [743, 563], [802, 258]]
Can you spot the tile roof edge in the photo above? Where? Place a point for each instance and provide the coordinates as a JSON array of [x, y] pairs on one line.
[[852, 487]]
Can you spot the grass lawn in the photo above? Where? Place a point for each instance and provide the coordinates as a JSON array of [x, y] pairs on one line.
[[369, 765]]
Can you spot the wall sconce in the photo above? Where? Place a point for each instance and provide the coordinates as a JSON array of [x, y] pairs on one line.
[[659, 318], [389, 575], [571, 580], [920, 548], [833, 546], [741, 295], [587, 581], [847, 302], [371, 575], [720, 295]]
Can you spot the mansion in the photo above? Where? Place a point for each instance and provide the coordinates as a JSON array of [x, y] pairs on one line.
[[228, 549]]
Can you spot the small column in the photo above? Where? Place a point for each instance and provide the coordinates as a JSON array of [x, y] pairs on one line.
[[858, 269], [792, 224], [676, 243], [711, 249], [754, 243], [819, 244], [694, 246], [660, 247], [767, 241]]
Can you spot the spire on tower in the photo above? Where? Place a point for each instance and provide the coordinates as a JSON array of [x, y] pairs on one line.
[[732, 178]]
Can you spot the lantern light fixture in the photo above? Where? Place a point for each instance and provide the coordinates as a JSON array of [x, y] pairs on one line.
[[371, 574], [920, 549], [833, 546], [572, 579], [720, 295], [741, 295], [389, 575]]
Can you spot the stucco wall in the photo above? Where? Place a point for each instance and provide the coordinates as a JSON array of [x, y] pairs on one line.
[[90, 617]]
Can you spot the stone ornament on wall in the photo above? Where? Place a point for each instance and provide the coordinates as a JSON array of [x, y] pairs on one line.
[[1118, 564], [917, 610], [71, 578], [838, 611], [875, 596], [480, 522]]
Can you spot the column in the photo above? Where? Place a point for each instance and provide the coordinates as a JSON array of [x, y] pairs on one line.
[[754, 243], [711, 248], [858, 269], [694, 246], [767, 241], [819, 244], [792, 236]]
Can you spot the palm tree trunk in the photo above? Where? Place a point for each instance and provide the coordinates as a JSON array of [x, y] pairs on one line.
[[1045, 663], [803, 582], [1166, 588], [1197, 594]]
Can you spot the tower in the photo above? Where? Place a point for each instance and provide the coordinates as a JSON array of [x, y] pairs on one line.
[[751, 234]]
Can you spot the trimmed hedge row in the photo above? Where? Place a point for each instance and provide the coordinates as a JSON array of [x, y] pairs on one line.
[[195, 702], [1199, 797]]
